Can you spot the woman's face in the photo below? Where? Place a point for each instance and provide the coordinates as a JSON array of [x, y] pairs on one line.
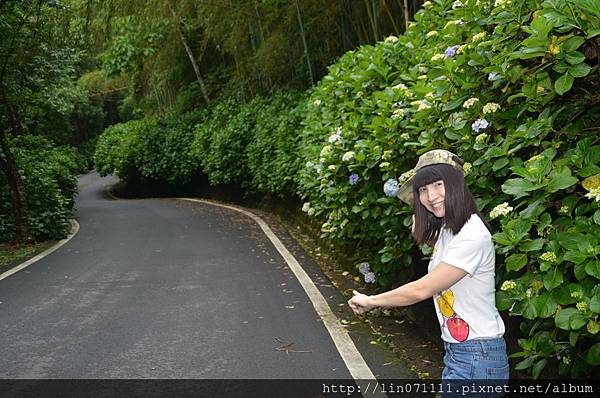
[[432, 197]]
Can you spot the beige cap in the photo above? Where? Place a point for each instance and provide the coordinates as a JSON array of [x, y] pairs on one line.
[[436, 156]]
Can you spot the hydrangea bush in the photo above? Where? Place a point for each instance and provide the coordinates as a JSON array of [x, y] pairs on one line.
[[512, 87]]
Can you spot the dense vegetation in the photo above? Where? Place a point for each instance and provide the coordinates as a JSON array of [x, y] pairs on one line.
[[226, 89]]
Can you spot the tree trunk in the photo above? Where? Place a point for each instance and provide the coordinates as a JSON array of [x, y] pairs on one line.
[[312, 80], [406, 15], [18, 196], [190, 54]]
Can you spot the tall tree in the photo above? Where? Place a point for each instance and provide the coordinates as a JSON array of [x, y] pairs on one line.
[[36, 70]]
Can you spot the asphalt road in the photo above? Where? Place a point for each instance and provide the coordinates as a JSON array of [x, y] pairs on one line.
[[161, 289]]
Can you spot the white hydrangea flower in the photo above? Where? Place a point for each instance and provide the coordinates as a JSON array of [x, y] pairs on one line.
[[508, 285], [467, 167], [594, 193], [457, 4], [306, 207], [348, 156], [479, 37], [400, 86], [470, 102], [438, 57], [332, 167], [317, 102], [398, 113], [405, 136], [423, 105], [429, 96], [549, 257], [431, 33], [311, 211], [500, 210], [490, 107], [391, 39], [481, 138], [502, 3], [325, 151]]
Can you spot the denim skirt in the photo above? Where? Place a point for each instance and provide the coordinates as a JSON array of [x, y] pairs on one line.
[[478, 364]]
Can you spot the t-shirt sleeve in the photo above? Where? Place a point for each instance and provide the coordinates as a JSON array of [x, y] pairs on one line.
[[467, 250]]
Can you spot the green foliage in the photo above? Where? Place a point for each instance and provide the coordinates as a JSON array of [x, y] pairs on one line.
[[49, 173], [159, 150], [507, 86], [222, 140], [273, 160]]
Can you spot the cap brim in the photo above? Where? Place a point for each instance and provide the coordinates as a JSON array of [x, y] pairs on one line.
[[405, 192]]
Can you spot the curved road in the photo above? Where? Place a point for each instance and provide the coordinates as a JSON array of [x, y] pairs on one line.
[[166, 289]]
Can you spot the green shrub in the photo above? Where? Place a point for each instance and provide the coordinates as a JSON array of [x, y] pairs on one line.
[[49, 174], [118, 147], [510, 86], [273, 160], [158, 150], [222, 140]]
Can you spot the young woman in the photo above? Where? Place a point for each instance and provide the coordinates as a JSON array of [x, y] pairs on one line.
[[460, 275]]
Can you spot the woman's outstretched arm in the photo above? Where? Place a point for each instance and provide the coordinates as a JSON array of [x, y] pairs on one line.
[[441, 278]]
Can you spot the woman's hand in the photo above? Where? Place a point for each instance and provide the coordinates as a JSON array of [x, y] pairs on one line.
[[360, 303]]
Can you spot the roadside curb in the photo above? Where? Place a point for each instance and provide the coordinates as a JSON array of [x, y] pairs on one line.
[[350, 355], [74, 230]]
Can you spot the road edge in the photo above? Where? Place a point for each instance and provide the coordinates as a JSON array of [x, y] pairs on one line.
[[350, 355], [74, 230]]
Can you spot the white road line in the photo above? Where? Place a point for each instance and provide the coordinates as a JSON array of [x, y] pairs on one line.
[[74, 230], [354, 361]]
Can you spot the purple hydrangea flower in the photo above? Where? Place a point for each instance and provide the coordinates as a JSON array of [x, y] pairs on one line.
[[370, 277], [353, 179], [364, 267], [451, 51], [391, 187], [479, 124]]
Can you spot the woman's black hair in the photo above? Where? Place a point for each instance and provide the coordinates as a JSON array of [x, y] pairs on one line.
[[459, 203]]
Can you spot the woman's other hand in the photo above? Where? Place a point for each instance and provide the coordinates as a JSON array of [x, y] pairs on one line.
[[360, 303]]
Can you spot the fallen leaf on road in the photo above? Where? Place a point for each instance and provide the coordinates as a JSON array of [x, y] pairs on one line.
[[285, 347]]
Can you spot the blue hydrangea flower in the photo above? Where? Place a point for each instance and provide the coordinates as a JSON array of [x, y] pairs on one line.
[[364, 268], [451, 51], [353, 179], [479, 124], [391, 187], [369, 277], [335, 138]]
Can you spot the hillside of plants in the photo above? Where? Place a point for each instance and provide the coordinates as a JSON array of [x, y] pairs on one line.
[[336, 125]]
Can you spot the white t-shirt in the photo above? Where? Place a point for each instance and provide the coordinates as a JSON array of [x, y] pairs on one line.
[[467, 310]]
